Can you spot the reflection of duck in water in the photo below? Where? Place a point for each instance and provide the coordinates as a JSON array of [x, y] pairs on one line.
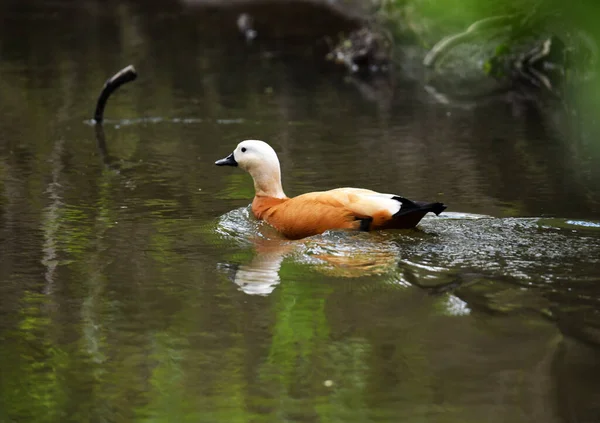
[[261, 275], [316, 212], [337, 254]]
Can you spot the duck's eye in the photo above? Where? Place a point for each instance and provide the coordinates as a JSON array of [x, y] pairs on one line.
[[243, 149]]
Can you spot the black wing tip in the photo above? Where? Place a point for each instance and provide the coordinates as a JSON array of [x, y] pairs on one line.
[[403, 201]]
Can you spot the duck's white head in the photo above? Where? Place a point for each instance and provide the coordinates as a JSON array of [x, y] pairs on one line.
[[261, 162]]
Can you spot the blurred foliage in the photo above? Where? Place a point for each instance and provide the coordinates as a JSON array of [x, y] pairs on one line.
[[543, 47], [447, 16]]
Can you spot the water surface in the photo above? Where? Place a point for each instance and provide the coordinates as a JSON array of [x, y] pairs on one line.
[[136, 286]]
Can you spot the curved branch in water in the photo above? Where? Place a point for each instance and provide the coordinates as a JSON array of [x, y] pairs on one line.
[[125, 75]]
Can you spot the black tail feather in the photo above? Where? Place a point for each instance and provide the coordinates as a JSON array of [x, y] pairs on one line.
[[409, 206], [436, 208]]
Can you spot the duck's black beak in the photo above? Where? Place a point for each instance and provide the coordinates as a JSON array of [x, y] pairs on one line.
[[227, 161]]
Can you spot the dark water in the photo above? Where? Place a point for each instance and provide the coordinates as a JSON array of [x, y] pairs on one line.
[[134, 285]]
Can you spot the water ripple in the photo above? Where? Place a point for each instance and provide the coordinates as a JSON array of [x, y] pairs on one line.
[[530, 251]]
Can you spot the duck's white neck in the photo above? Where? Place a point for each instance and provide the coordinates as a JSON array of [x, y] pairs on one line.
[[267, 182]]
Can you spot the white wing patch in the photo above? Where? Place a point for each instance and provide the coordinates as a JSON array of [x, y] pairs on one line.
[[370, 202], [386, 202]]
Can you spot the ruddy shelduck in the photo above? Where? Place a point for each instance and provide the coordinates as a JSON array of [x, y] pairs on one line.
[[316, 212]]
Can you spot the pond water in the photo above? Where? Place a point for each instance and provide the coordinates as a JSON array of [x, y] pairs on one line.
[[136, 286]]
